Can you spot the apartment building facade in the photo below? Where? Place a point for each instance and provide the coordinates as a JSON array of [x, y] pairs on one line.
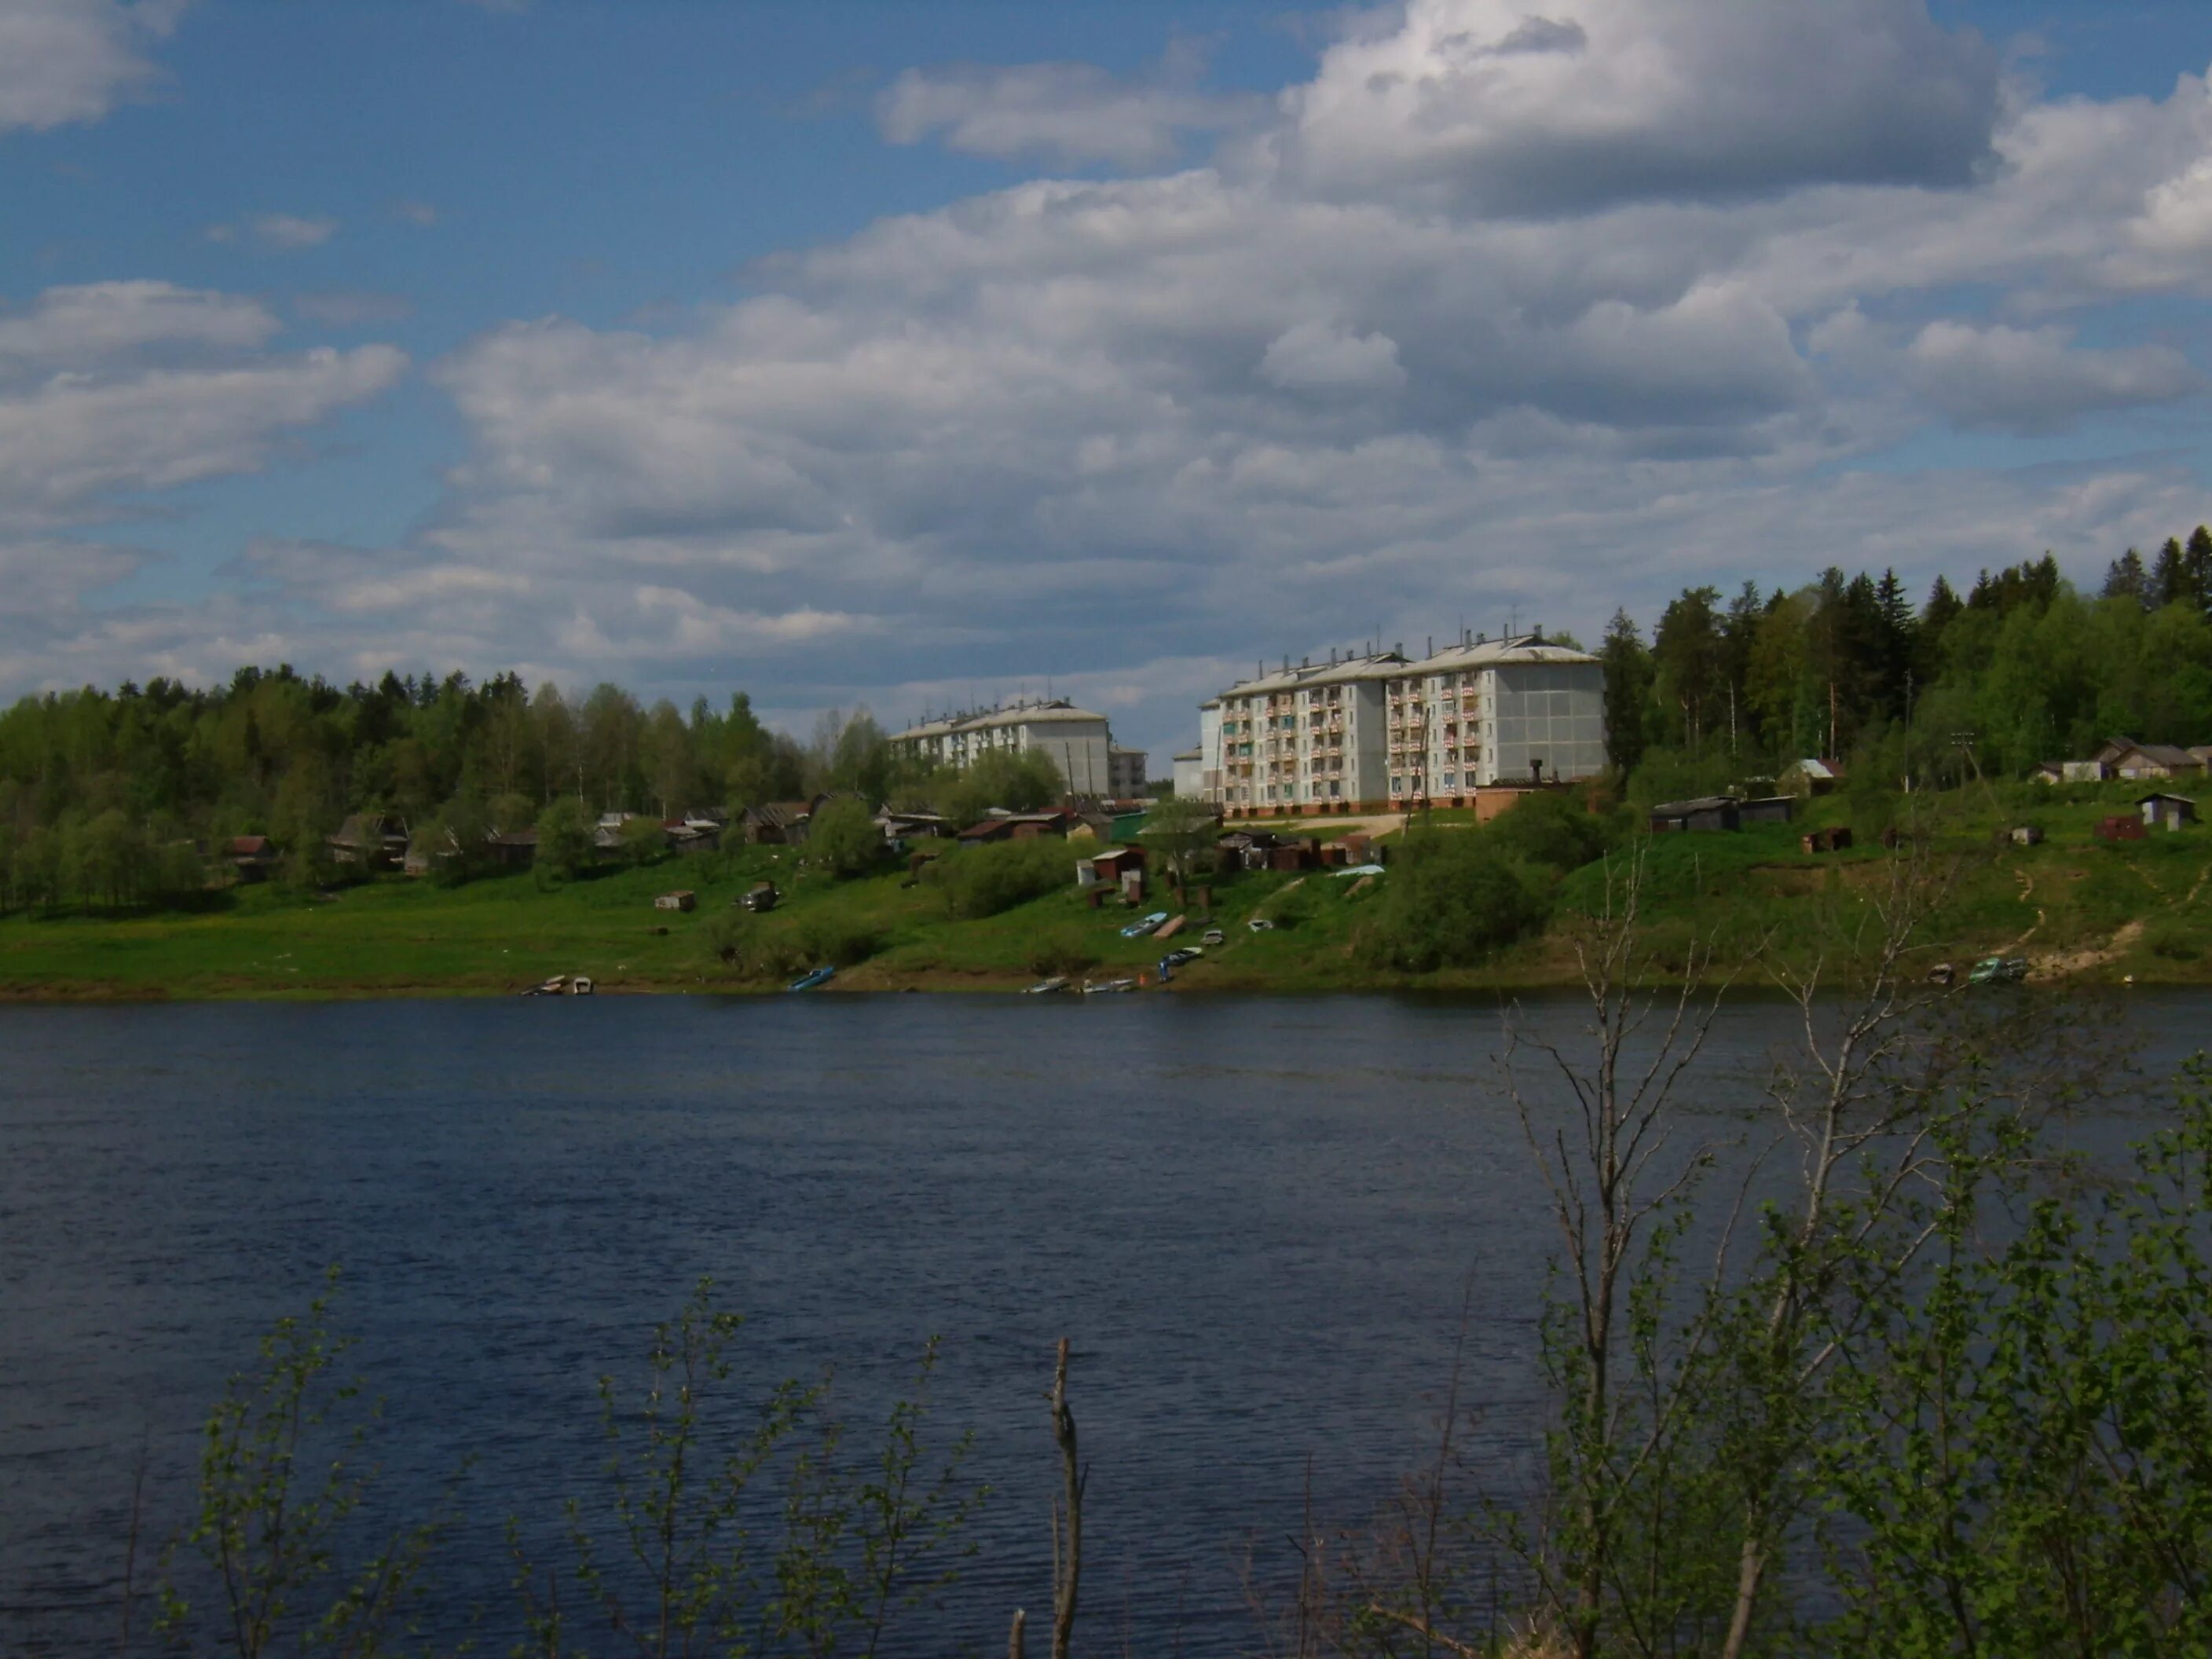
[[1079, 741], [1383, 730]]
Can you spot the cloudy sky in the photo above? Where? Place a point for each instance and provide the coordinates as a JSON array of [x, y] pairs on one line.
[[914, 352]]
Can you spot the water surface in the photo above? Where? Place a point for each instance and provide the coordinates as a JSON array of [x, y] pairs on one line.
[[1258, 1220]]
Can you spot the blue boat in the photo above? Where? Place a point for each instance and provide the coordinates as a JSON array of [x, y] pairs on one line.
[[808, 981]]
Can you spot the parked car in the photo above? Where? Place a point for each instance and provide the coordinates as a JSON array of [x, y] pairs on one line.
[[1214, 936], [1259, 925]]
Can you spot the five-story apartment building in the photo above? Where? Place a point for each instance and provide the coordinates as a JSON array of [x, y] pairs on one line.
[[1379, 730]]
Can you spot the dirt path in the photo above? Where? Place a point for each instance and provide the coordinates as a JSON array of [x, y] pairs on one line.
[[2064, 964], [2026, 897], [1379, 824]]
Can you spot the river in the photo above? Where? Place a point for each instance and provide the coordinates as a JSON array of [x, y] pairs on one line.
[[1258, 1219]]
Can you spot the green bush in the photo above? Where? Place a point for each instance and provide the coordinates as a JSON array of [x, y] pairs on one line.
[[1453, 898], [843, 837], [982, 881], [1551, 828], [841, 942], [1068, 951]]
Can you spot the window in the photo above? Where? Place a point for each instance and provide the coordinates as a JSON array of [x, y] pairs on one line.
[[1397, 785], [1334, 790], [1451, 779]]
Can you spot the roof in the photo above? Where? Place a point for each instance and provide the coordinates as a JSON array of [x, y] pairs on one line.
[[2165, 754], [1055, 711], [242, 846], [1522, 649], [1189, 755], [1814, 768], [1679, 809], [780, 811], [2161, 794], [514, 838]]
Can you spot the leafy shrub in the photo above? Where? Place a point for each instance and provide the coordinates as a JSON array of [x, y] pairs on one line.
[[982, 881], [839, 941], [1453, 898], [2173, 944], [1551, 828], [843, 837], [1066, 952]]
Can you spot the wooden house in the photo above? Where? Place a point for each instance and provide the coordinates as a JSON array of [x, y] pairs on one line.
[[1707, 813], [2163, 812], [2124, 757], [778, 823], [682, 899], [251, 858], [368, 841]]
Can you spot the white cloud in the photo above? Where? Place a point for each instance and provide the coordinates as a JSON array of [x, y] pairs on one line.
[[1318, 355], [1064, 112], [63, 61], [97, 321], [2037, 381], [1484, 103]]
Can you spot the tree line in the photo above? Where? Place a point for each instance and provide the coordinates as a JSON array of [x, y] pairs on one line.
[[2023, 668], [116, 796]]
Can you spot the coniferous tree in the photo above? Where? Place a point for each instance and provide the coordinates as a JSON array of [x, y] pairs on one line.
[[2169, 575], [2128, 578], [1628, 677], [2196, 568]]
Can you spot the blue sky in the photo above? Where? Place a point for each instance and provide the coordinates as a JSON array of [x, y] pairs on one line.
[[904, 352]]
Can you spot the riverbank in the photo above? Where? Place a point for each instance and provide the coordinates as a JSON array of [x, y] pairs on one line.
[[2073, 907]]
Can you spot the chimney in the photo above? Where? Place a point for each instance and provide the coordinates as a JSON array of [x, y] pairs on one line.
[[1399, 649], [1432, 651], [1536, 772], [1305, 662]]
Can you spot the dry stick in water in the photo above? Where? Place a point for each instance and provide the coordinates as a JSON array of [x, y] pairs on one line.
[[1014, 1635], [1067, 1565]]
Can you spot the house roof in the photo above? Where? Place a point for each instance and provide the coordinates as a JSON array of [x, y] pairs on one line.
[[2165, 754], [1679, 809], [2162, 794], [1815, 768], [242, 846]]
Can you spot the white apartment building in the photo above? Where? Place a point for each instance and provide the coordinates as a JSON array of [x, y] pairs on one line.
[[1079, 741], [1125, 772], [1383, 730]]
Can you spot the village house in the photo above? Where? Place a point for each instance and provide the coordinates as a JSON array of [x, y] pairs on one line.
[[2124, 757], [511, 849], [368, 841], [607, 834], [251, 858], [1707, 812], [2163, 811], [777, 823], [1810, 777]]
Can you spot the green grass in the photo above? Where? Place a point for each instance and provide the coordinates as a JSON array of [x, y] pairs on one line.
[[394, 937]]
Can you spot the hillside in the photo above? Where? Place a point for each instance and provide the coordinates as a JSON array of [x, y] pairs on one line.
[[2073, 906]]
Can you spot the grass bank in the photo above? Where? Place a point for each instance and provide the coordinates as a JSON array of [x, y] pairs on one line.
[[2075, 906]]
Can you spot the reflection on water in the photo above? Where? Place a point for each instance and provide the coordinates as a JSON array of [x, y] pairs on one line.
[[1257, 1218]]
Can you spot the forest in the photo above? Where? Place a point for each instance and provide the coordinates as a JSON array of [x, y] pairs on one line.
[[112, 797], [2024, 668]]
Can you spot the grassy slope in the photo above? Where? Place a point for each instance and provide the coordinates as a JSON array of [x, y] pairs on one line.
[[2143, 908]]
